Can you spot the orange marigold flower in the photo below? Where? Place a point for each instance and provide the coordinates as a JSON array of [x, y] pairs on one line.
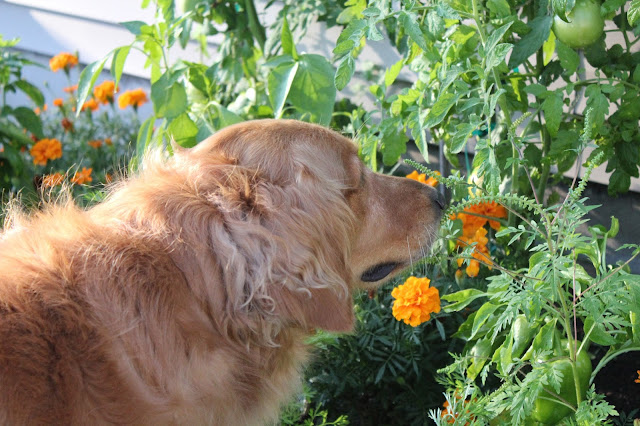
[[471, 222], [104, 92], [55, 179], [449, 415], [108, 178], [71, 89], [64, 61], [95, 144], [90, 104], [108, 141], [67, 124], [638, 379], [415, 301], [45, 150], [37, 110], [422, 178], [480, 251], [83, 176], [58, 102], [134, 98]]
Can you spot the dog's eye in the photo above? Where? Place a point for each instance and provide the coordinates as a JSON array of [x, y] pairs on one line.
[[378, 272]]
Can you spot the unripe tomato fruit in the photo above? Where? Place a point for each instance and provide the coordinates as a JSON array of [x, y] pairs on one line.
[[549, 412], [585, 25]]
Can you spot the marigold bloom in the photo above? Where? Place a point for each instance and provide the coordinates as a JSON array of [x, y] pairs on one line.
[[45, 150], [108, 141], [415, 301], [422, 178], [58, 102], [134, 98], [71, 89], [104, 92], [67, 124], [64, 61], [95, 144], [471, 222], [83, 176], [449, 415], [90, 104], [480, 251], [37, 110], [638, 379], [55, 179]]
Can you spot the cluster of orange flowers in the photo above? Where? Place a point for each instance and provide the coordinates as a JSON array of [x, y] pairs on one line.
[[45, 150], [421, 177], [638, 379], [134, 98], [79, 178], [63, 61], [474, 218], [415, 301], [103, 93]]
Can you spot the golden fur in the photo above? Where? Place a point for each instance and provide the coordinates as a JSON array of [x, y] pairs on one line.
[[186, 296]]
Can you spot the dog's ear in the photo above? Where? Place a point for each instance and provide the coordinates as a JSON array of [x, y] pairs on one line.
[[313, 229]]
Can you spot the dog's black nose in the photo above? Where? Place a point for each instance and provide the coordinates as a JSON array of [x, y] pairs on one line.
[[439, 199]]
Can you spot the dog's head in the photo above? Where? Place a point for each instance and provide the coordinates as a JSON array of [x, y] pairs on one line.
[[304, 221]]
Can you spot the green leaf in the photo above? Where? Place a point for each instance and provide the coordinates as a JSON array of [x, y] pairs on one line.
[[532, 41], [499, 8], [569, 58], [346, 69], [394, 144], [597, 107], [461, 299], [440, 109], [628, 157], [31, 91], [392, 72], [144, 136], [633, 14], [279, 84], [313, 90], [134, 27], [460, 137], [412, 29], [88, 78], [537, 90], [497, 55], [183, 130], [29, 120], [288, 46], [353, 10], [480, 354], [484, 313], [495, 37], [552, 107], [117, 65], [168, 96]]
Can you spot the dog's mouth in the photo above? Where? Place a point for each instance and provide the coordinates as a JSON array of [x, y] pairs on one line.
[[379, 272]]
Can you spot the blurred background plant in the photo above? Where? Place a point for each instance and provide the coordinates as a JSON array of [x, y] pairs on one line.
[[48, 146]]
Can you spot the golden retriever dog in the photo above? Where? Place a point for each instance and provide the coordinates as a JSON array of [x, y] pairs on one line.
[[186, 296]]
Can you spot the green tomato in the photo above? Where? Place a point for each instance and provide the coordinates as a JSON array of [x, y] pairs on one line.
[[548, 411], [585, 25]]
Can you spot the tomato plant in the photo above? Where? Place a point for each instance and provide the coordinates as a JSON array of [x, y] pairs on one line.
[[583, 26]]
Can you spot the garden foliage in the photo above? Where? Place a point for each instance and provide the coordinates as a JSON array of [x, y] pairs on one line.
[[528, 293]]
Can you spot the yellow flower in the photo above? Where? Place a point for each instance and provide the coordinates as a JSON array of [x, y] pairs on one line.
[[64, 61], [415, 301], [104, 92], [45, 150], [52, 180], [422, 178], [82, 176], [133, 98]]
